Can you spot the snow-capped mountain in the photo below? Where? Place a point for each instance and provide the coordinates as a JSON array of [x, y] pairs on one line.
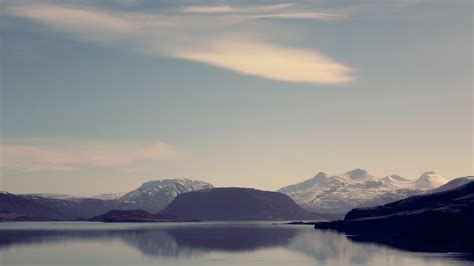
[[356, 188], [430, 180], [153, 196]]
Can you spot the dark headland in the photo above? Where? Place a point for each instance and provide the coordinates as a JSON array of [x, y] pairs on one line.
[[440, 216]]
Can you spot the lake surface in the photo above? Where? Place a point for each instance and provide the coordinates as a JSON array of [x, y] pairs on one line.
[[251, 243]]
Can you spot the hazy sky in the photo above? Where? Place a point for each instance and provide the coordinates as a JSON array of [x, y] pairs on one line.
[[100, 96]]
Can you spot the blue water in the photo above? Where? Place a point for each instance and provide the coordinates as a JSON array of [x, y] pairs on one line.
[[252, 243]]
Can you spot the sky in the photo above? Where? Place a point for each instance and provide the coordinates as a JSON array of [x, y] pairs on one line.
[[100, 96]]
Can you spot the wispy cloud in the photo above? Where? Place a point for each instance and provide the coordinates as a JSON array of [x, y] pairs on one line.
[[84, 23], [203, 9], [68, 17], [271, 62], [207, 9], [303, 15], [278, 11], [25, 155], [202, 38]]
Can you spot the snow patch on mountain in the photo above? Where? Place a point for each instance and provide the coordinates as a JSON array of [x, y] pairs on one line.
[[109, 196], [54, 196]]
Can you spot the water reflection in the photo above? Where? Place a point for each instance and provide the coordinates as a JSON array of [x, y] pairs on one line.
[[183, 241], [200, 240], [166, 241], [327, 246], [464, 246]]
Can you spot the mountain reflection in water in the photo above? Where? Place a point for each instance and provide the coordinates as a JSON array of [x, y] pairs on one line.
[[166, 241], [181, 241]]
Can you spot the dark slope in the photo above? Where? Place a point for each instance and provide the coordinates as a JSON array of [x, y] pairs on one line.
[[27, 207], [443, 215], [453, 184], [16, 207], [220, 204]]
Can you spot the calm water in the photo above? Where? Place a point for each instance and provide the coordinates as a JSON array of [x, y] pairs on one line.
[[82, 243]]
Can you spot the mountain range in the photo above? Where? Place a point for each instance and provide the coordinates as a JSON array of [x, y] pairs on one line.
[[330, 194], [357, 188], [37, 207], [210, 204], [152, 196]]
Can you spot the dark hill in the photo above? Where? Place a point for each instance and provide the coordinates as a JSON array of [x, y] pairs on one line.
[[27, 207], [224, 204]]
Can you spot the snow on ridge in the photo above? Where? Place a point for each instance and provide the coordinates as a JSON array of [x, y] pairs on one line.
[[54, 196], [154, 195], [167, 186], [342, 192], [109, 196]]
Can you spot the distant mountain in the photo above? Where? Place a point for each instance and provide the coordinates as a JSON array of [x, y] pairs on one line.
[[429, 180], [35, 207], [447, 214], [109, 196], [53, 196], [153, 196], [133, 216], [396, 178], [14, 207], [341, 193], [221, 204], [105, 196]]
